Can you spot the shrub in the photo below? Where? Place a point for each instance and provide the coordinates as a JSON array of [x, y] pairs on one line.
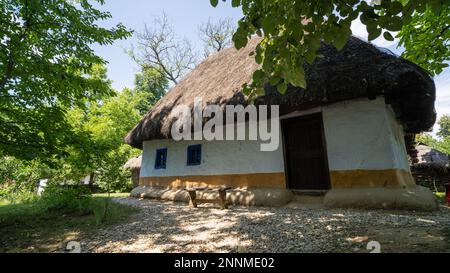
[[67, 199], [110, 175], [19, 178], [17, 195]]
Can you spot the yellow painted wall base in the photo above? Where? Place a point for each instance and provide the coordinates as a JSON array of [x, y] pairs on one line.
[[339, 179], [263, 180], [371, 178]]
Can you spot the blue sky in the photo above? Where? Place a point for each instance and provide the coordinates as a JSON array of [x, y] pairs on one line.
[[186, 15]]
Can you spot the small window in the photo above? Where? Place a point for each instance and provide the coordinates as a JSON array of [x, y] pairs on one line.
[[194, 154], [161, 158]]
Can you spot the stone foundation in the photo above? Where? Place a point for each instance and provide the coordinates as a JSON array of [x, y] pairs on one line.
[[410, 198], [268, 197]]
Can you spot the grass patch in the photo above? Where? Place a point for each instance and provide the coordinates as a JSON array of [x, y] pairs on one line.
[[115, 195], [30, 227], [441, 197]]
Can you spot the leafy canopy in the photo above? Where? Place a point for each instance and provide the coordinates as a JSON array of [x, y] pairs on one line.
[[101, 150], [443, 142], [292, 32], [47, 66], [151, 85], [427, 39], [444, 127], [98, 149], [101, 126]]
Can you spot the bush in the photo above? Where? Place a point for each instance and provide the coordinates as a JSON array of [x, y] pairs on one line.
[[16, 195], [110, 174], [21, 173], [69, 200]]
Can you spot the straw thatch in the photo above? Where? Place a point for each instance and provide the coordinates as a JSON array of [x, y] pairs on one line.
[[434, 167], [133, 163], [358, 70], [433, 175], [426, 154]]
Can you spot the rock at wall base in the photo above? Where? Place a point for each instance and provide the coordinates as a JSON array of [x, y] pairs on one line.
[[245, 197], [266, 197], [160, 193], [412, 198]]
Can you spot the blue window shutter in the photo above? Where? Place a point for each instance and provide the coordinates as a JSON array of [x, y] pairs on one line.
[[194, 154], [161, 158]]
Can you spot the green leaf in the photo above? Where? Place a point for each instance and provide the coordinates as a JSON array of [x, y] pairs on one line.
[[239, 39], [274, 80], [341, 38], [282, 87], [268, 24], [258, 75], [298, 77], [310, 55], [396, 7], [259, 58], [214, 3], [395, 23], [436, 7], [246, 89], [373, 33], [388, 36], [235, 3]]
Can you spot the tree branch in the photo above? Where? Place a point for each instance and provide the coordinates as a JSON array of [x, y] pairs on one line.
[[160, 49]]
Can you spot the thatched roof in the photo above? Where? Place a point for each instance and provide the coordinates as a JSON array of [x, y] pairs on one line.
[[133, 163], [426, 154], [359, 70], [435, 167]]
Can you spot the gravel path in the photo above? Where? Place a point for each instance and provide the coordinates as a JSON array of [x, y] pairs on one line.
[[174, 227]]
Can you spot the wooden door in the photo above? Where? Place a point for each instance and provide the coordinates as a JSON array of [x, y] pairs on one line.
[[305, 153]]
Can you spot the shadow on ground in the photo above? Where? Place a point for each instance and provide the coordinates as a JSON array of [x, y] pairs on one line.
[[174, 227]]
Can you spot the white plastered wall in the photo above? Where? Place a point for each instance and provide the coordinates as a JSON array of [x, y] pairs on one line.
[[363, 134], [360, 135], [218, 157]]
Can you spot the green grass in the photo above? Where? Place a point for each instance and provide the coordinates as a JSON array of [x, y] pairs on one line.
[[441, 197], [28, 227], [116, 194]]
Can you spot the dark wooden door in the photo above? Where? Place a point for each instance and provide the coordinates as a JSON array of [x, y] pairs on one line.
[[305, 154]]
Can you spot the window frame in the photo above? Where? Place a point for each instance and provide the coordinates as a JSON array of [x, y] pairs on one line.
[[164, 151], [190, 150]]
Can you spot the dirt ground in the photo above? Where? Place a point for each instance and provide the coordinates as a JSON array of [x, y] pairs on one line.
[[174, 227]]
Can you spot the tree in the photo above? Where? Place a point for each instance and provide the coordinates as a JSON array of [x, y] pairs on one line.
[[47, 66], [427, 39], [160, 49], [18, 178], [216, 35], [152, 86], [102, 151], [293, 30], [444, 127], [442, 144], [98, 127]]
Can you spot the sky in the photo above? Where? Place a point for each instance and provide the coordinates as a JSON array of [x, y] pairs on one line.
[[186, 16]]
